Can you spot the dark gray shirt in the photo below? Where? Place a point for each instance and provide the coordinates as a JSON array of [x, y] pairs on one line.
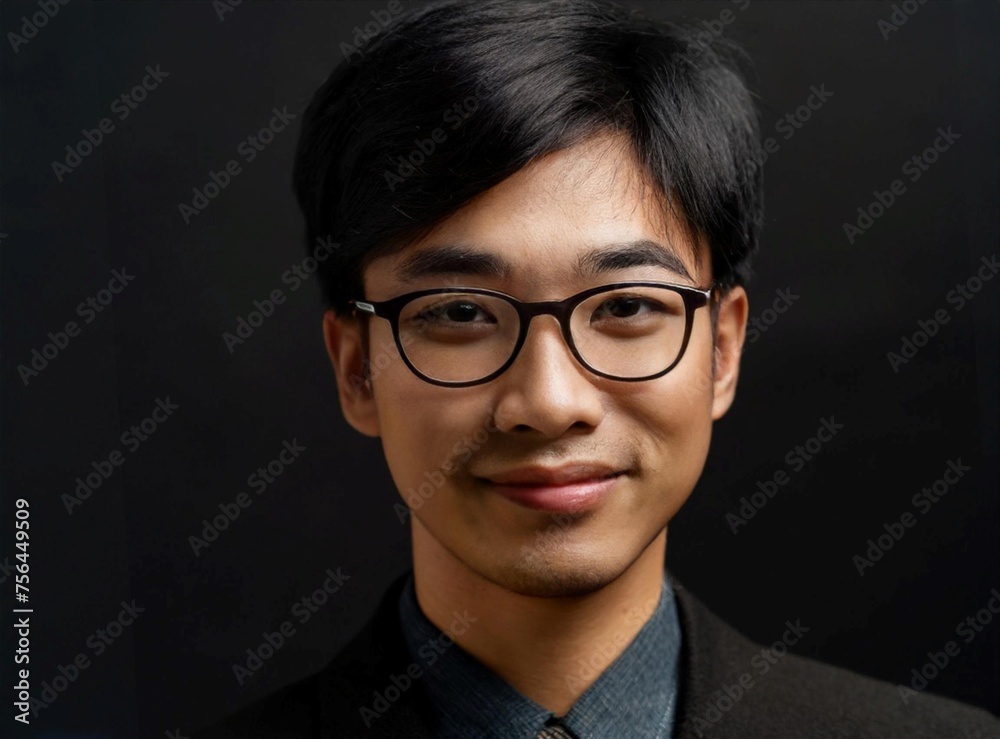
[[635, 696]]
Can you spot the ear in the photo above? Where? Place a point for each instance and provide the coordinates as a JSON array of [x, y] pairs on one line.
[[343, 338], [729, 335]]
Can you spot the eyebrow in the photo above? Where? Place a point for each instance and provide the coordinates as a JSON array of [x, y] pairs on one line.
[[454, 259]]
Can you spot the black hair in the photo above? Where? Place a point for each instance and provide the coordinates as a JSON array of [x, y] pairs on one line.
[[451, 99]]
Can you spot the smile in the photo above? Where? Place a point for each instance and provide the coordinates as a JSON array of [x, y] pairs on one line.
[[572, 497]]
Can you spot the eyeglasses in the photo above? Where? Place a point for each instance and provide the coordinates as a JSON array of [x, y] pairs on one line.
[[456, 337]]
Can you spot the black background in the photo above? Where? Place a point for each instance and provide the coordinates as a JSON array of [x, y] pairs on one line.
[[162, 336]]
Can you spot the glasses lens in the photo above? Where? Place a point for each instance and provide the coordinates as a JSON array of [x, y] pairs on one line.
[[630, 331], [458, 337]]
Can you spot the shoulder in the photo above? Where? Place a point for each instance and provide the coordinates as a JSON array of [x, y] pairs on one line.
[[356, 694], [301, 709], [286, 713], [734, 687], [836, 702]]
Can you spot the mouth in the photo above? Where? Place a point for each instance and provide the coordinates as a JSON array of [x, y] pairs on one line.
[[574, 496]]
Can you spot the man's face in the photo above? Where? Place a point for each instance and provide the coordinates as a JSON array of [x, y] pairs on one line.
[[546, 409]]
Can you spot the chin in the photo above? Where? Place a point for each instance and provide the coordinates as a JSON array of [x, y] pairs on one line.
[[556, 575]]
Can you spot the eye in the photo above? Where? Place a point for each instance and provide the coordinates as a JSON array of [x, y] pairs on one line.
[[627, 307], [456, 311]]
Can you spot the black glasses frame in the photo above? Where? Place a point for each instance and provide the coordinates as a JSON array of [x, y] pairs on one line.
[[391, 309]]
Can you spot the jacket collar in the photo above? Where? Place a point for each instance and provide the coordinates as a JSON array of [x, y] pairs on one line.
[[360, 680]]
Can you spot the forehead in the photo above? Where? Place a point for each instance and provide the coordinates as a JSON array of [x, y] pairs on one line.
[[572, 217]]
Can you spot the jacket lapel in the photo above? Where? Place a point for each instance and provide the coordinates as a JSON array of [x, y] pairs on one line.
[[366, 703], [713, 655]]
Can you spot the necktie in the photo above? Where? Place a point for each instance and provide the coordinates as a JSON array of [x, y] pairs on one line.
[[555, 730]]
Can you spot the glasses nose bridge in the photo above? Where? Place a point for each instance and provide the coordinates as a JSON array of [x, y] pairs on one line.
[[561, 309]]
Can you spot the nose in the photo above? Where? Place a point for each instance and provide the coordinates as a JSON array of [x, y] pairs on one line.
[[546, 389]]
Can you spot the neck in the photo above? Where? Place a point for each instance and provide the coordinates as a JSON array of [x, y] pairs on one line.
[[549, 649]]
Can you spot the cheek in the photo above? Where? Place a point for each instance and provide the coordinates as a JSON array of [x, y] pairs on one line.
[[426, 441], [410, 438], [683, 401], [676, 417]]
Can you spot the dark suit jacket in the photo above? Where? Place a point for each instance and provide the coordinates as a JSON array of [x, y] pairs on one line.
[[797, 698]]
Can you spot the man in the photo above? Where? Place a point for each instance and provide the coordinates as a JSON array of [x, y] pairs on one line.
[[546, 214]]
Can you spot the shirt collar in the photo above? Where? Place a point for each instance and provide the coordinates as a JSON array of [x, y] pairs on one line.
[[638, 690]]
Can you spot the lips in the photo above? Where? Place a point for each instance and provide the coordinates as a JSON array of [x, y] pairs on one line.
[[570, 488], [567, 474]]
